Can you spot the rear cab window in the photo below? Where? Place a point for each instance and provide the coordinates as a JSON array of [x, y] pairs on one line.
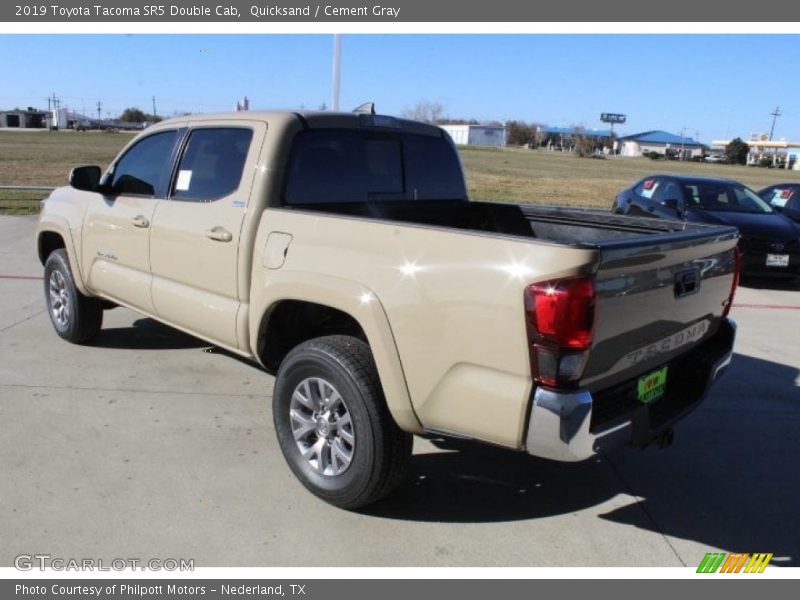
[[357, 166]]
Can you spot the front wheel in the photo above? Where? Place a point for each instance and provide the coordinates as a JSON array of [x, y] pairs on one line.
[[333, 426], [75, 317]]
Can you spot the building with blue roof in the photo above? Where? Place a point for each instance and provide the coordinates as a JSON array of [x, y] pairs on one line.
[[663, 142]]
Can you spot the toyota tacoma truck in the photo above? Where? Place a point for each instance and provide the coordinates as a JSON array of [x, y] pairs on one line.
[[340, 251]]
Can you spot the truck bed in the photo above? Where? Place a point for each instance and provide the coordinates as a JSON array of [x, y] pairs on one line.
[[571, 226]]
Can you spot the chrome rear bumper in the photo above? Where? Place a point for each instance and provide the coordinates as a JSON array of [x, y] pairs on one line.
[[559, 426]]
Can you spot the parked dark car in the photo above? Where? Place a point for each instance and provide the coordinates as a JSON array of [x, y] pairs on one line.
[[770, 242], [783, 197]]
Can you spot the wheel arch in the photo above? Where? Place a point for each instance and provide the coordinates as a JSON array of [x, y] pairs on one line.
[[293, 308], [53, 233]]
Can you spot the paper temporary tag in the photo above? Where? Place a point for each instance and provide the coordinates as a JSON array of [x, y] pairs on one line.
[[184, 179]]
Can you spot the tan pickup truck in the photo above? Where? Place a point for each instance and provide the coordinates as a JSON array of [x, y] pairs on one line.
[[340, 252]]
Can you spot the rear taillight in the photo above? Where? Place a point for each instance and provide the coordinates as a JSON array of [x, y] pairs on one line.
[[737, 269], [560, 322]]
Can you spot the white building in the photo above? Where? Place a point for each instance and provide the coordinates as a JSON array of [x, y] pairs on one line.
[[780, 152], [661, 142], [477, 135]]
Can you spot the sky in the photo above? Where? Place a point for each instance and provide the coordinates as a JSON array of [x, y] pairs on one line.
[[720, 85]]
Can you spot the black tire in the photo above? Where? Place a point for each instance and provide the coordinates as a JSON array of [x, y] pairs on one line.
[[381, 450], [83, 317]]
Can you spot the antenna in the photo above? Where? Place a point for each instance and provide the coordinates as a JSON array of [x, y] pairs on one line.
[[368, 108]]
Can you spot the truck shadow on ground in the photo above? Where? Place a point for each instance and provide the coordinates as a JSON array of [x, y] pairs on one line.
[[771, 283], [729, 481], [146, 334]]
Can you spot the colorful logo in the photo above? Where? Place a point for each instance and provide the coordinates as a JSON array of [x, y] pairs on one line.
[[720, 562]]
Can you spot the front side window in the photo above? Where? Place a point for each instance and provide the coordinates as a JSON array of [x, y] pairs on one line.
[[353, 165], [143, 169], [212, 163], [714, 196]]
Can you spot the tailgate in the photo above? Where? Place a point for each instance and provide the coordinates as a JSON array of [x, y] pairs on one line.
[[657, 297]]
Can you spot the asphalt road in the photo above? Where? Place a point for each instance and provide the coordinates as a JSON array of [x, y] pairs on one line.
[[147, 445]]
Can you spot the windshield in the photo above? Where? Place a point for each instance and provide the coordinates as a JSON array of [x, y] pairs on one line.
[[724, 197]]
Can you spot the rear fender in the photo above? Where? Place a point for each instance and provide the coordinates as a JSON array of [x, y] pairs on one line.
[[362, 305]]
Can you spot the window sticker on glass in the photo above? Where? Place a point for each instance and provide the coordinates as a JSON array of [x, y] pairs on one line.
[[781, 197], [649, 188], [184, 180]]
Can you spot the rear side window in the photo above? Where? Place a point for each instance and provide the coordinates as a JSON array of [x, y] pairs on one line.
[[352, 165], [212, 163], [781, 196], [647, 188], [143, 169], [669, 190]]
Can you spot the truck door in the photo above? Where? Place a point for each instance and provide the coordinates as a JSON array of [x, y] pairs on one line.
[[194, 248], [116, 232]]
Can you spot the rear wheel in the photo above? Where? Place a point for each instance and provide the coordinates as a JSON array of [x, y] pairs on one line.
[[333, 425], [75, 317]]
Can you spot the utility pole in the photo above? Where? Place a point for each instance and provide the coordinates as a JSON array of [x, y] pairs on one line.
[[775, 114], [337, 62], [99, 109], [155, 114], [683, 134]]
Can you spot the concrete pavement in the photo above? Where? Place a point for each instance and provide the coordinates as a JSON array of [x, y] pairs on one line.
[[147, 445]]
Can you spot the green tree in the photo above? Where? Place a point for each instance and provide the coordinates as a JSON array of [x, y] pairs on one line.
[[136, 115], [736, 152]]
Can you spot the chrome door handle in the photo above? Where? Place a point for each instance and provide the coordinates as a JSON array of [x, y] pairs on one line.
[[140, 221], [219, 234]]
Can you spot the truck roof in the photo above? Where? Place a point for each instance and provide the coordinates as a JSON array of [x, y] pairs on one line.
[[310, 118]]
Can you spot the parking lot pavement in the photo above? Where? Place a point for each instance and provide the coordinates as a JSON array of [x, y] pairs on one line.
[[147, 445]]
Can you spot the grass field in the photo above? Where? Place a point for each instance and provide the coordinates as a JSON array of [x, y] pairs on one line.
[[509, 174], [545, 177], [45, 158]]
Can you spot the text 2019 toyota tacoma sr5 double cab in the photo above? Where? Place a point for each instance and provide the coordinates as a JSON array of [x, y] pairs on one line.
[[340, 251]]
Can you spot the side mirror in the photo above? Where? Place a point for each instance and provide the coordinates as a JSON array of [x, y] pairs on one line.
[[85, 178]]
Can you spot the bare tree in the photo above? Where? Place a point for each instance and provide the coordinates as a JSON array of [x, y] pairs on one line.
[[425, 111]]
